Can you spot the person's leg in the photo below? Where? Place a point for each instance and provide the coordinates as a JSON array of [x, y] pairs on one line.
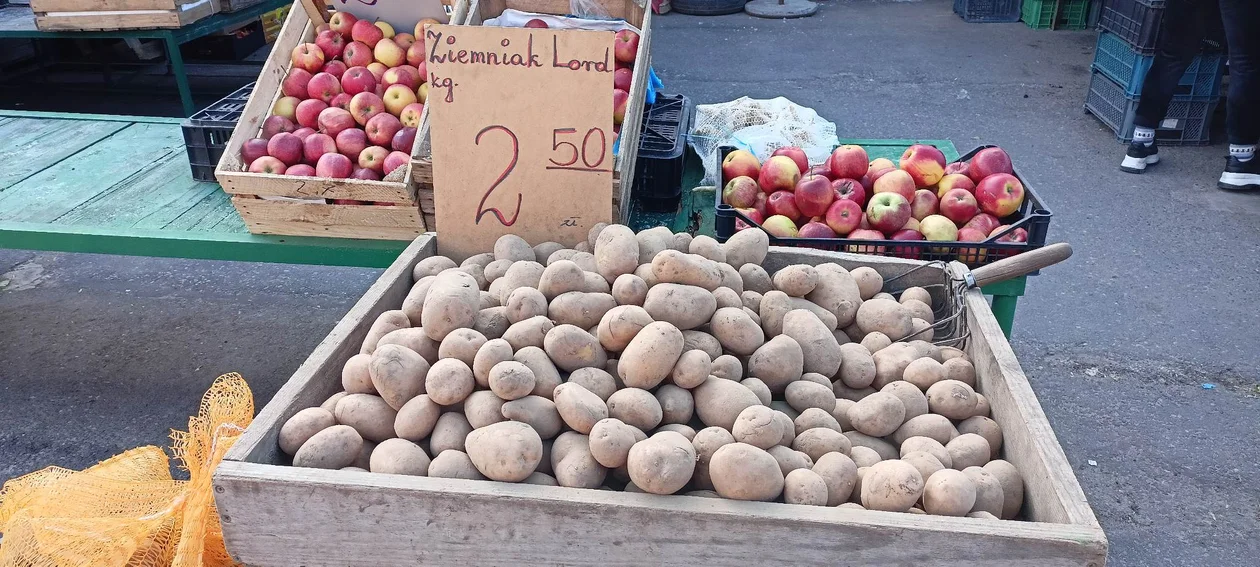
[[1242, 35], [1179, 42]]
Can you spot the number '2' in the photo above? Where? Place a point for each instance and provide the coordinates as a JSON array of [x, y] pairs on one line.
[[481, 207]]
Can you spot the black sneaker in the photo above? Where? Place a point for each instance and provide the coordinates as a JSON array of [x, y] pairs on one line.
[[1241, 175], [1139, 156]]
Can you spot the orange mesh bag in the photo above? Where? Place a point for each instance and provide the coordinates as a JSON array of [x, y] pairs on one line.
[[128, 510]]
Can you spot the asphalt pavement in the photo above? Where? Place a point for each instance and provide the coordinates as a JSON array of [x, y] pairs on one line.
[[99, 354]]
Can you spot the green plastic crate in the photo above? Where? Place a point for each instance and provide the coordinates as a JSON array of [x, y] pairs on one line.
[[1072, 14]]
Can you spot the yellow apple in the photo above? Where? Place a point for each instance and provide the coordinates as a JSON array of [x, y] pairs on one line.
[[422, 93], [386, 28], [397, 97]]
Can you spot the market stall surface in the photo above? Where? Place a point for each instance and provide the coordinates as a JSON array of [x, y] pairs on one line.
[[103, 353]]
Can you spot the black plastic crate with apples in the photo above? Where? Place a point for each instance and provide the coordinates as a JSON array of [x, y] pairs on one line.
[[1032, 216]]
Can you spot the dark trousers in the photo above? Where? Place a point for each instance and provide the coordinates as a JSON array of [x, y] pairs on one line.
[[1184, 26]]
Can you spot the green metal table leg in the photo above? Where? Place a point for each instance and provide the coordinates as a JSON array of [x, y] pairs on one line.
[[177, 69], [1004, 312]]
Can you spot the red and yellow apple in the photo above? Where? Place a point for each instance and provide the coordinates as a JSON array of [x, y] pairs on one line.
[[954, 181], [866, 234], [404, 140], [754, 215], [335, 68], [780, 226], [267, 164], [405, 40], [342, 23], [308, 112], [779, 173], [924, 203], [848, 161], [410, 115], [351, 142], [798, 156], [364, 106], [938, 228], [895, 181], [1000, 194], [331, 43], [740, 163], [286, 106], [783, 203], [398, 97], [959, 206], [971, 255], [300, 170], [367, 33], [381, 129], [358, 80], [295, 82], [815, 229], [357, 54], [622, 79], [420, 25], [887, 212], [844, 216], [814, 195], [323, 86], [625, 46], [989, 161], [316, 145], [395, 160], [1017, 235], [253, 149], [741, 192], [906, 251], [285, 147], [333, 165], [333, 120], [925, 164], [536, 23], [402, 75], [341, 101], [984, 222], [307, 56], [373, 157], [620, 100], [276, 124], [389, 53]]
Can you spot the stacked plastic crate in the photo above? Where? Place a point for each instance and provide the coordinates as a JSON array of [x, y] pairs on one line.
[[1126, 48]]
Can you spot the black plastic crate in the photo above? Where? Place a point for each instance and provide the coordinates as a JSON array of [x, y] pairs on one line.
[[1187, 123], [662, 157], [1135, 21], [1032, 216], [988, 11], [207, 132]]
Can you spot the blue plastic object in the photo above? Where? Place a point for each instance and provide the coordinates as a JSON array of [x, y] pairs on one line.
[[988, 11], [1121, 63]]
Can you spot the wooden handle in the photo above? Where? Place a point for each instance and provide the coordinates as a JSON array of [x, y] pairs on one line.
[[317, 10], [1022, 264]]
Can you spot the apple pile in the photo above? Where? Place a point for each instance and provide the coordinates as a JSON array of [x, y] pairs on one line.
[[625, 48], [920, 198], [350, 105]]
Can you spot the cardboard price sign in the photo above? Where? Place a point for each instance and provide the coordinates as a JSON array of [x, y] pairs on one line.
[[522, 132]]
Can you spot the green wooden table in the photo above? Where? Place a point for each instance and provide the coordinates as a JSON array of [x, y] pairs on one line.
[[19, 22]]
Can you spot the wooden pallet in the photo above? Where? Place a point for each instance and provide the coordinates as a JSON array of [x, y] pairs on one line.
[[100, 15], [275, 514], [631, 127]]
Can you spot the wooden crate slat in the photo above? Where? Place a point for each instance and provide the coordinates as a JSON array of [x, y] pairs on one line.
[[126, 19], [101, 5], [334, 221]]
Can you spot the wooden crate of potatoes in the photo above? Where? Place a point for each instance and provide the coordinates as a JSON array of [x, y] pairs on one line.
[[97, 15], [628, 148], [494, 443]]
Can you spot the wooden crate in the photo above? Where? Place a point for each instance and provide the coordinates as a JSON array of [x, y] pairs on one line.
[[97, 15], [631, 128], [280, 515]]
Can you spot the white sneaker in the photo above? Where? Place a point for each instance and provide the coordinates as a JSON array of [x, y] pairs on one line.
[[1241, 175], [1139, 156]]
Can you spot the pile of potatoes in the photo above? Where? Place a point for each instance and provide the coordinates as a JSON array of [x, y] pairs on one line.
[[662, 363]]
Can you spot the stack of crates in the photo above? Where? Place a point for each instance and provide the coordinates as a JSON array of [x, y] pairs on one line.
[[1126, 49], [1040, 14], [207, 132]]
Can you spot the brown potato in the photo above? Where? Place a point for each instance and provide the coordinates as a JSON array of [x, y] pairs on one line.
[[758, 387], [579, 408], [454, 464], [398, 374], [431, 266], [671, 266], [452, 303], [483, 408], [875, 342], [544, 250], [578, 469], [416, 419], [331, 403], [778, 363], [751, 300], [796, 280], [488, 300], [572, 348], [885, 316], [757, 426], [682, 243], [726, 297], [730, 278], [929, 446], [923, 372], [620, 325], [931, 425], [864, 456], [684, 306], [819, 441], [982, 405], [728, 367], [651, 355], [706, 442], [969, 450], [746, 247], [385, 323], [367, 414], [450, 381], [519, 274], [529, 332], [868, 280], [916, 293], [820, 349], [692, 368], [1012, 487], [598, 381], [539, 412], [740, 471], [989, 496], [304, 424], [892, 486], [637, 407], [815, 417], [482, 259], [490, 354], [592, 236], [841, 413], [919, 310], [580, 309], [653, 241], [774, 305], [450, 432], [610, 442], [736, 331], [546, 377], [846, 393], [676, 404], [803, 486], [878, 414], [885, 449], [355, 376], [629, 289], [755, 279], [399, 456], [720, 401], [495, 269], [684, 430], [960, 369], [616, 252], [662, 464], [986, 428], [491, 322], [561, 277], [952, 399], [512, 247], [523, 303], [840, 474], [857, 368], [804, 394], [949, 493], [507, 451], [413, 338], [926, 463], [891, 363], [707, 247], [921, 330], [911, 398]]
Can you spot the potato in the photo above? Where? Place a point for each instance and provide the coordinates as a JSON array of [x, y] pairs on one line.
[[917, 293], [681, 242], [399, 456], [819, 347], [364, 460], [355, 376], [519, 274], [546, 376], [949, 493], [644, 273], [579, 408], [804, 394], [333, 447], [952, 399], [691, 369], [461, 344], [726, 297], [911, 398], [892, 486], [751, 300], [790, 459], [989, 495], [885, 449], [891, 363], [637, 407], [926, 463], [511, 380], [685, 430], [524, 303], [572, 348], [302, 426], [482, 260], [836, 292], [662, 464], [728, 367], [740, 471], [813, 418], [960, 369], [450, 432], [719, 401], [491, 353], [878, 414], [539, 412], [488, 300], [857, 368], [778, 363], [931, 425], [367, 414], [755, 280], [592, 236], [416, 419], [757, 426], [982, 405], [948, 352], [875, 342], [491, 323], [562, 445], [828, 319], [512, 247], [986, 428], [846, 393], [689, 269], [616, 252], [924, 372], [864, 456], [684, 306], [620, 325], [651, 355], [736, 331], [868, 280], [926, 445], [529, 332], [885, 316], [385, 323], [540, 479], [819, 441], [676, 404], [803, 486], [758, 387], [431, 266], [495, 270], [629, 289], [919, 310], [507, 451], [730, 278], [450, 381], [331, 403], [578, 469], [884, 295], [968, 450], [454, 464], [706, 442], [841, 413], [852, 506], [922, 330], [580, 309], [361, 469], [707, 247], [982, 514], [746, 247], [796, 280], [483, 408], [596, 380], [653, 241], [398, 374], [610, 441], [1012, 487], [595, 283], [452, 303]]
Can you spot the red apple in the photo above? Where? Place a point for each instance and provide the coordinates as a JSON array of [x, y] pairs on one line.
[[358, 80], [761, 204], [753, 214], [620, 99], [389, 53], [895, 181], [303, 133], [381, 129], [959, 206], [865, 222], [416, 56], [850, 190], [295, 83], [905, 251], [351, 142], [323, 86], [868, 180], [816, 230], [622, 79], [954, 181], [741, 192], [1000, 194], [780, 226], [404, 40], [848, 161], [404, 139], [1017, 235], [798, 156], [866, 234], [536, 23], [307, 56], [740, 163], [410, 115], [364, 173], [308, 112], [373, 157], [341, 101], [333, 165], [984, 222], [267, 164], [316, 145], [783, 203], [971, 255], [335, 68], [364, 106], [276, 124], [331, 43], [988, 162], [285, 147], [887, 212], [402, 75], [342, 23], [960, 167], [625, 46], [397, 98], [366, 32], [357, 54], [814, 195], [300, 170], [924, 203], [780, 173], [924, 163], [253, 149], [333, 120], [844, 216], [395, 160], [821, 169]]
